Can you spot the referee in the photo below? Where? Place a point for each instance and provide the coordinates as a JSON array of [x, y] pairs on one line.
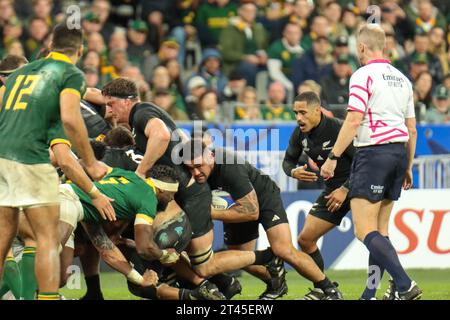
[[382, 123]]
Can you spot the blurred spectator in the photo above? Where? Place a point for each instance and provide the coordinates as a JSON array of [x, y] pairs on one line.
[[350, 22], [421, 47], [91, 23], [91, 76], [103, 9], [12, 30], [196, 87], [133, 72], [174, 69], [139, 50], [315, 64], [161, 80], [282, 54], [272, 15], [247, 107], [301, 15], [336, 85], [320, 28], [243, 44], [423, 86], [426, 17], [208, 106], [394, 52], [92, 59], [37, 31], [341, 48], [275, 107], [438, 47], [168, 50], [118, 40], [333, 13], [212, 18], [43, 9], [311, 85], [124, 11], [394, 15], [119, 60], [95, 42], [164, 99], [210, 69], [235, 86], [439, 112], [15, 48], [419, 64], [6, 11]]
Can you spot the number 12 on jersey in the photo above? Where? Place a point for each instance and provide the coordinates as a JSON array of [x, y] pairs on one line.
[[26, 84]]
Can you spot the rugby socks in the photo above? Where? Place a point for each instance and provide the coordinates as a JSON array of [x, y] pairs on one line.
[[29, 285], [184, 294], [48, 296], [383, 252], [371, 286], [323, 284], [263, 256], [93, 288], [222, 281], [317, 257], [12, 279]]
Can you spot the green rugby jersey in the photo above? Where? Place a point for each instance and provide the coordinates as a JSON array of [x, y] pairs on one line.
[[30, 106], [133, 197]]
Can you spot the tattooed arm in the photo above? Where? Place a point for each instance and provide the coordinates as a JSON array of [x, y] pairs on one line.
[[245, 209], [107, 249]]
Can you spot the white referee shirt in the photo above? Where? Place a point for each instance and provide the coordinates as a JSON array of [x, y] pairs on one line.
[[385, 96]]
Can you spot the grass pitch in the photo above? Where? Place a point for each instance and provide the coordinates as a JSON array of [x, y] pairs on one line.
[[435, 284]]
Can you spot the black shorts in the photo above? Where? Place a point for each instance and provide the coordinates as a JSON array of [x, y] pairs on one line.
[[378, 171], [320, 209], [195, 201], [270, 215]]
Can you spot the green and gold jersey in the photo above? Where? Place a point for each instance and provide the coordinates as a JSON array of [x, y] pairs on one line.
[[281, 112], [133, 197], [30, 106], [279, 51]]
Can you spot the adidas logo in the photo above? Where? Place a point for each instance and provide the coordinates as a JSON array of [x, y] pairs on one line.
[[319, 157], [275, 218]]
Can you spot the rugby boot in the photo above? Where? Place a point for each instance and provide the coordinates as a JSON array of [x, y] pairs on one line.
[[414, 293], [277, 286]]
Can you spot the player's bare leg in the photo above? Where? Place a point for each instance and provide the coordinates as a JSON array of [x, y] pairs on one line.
[[206, 263], [27, 264], [258, 271], [280, 241], [44, 222], [9, 219], [313, 229]]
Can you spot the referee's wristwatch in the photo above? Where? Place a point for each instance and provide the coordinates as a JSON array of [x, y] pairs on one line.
[[332, 156]]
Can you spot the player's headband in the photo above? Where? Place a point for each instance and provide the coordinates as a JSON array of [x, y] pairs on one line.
[[130, 96], [166, 186], [6, 73]]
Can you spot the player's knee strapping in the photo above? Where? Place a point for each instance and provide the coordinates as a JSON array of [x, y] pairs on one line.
[[201, 258]]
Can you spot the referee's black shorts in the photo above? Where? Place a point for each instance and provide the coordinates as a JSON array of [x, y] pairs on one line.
[[378, 172]]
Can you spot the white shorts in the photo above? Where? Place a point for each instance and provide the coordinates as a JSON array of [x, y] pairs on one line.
[[70, 210], [27, 185]]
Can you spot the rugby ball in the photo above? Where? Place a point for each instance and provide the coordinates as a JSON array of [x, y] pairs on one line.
[[221, 200], [174, 232]]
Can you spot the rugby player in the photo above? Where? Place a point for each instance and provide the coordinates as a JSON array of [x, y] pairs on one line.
[[257, 200], [382, 123], [34, 97], [315, 135], [156, 137]]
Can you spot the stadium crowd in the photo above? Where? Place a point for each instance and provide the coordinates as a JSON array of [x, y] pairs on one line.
[[217, 60]]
